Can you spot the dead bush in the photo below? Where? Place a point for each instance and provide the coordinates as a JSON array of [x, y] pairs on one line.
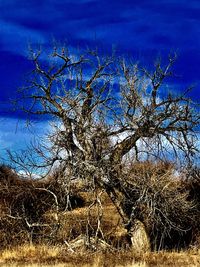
[[161, 201], [192, 182], [23, 204], [39, 211]]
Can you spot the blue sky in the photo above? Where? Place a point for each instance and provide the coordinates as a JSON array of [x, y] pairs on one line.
[[143, 29]]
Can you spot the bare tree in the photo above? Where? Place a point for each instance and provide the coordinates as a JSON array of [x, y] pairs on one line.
[[103, 109]]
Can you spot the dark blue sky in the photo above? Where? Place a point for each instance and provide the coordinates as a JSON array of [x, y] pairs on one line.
[[143, 29]]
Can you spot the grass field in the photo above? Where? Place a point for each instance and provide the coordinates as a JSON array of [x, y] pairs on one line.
[[35, 256]]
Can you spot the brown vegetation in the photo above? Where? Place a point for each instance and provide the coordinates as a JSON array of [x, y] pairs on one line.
[[35, 256], [24, 204], [163, 203], [37, 211], [91, 233]]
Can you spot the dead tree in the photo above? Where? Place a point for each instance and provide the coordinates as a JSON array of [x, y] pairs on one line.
[[102, 109]]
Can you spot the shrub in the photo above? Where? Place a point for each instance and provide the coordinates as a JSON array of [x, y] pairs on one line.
[[161, 201], [24, 203]]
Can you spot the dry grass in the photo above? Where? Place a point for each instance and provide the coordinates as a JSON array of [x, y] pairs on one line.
[[71, 265], [50, 248], [35, 256], [30, 251]]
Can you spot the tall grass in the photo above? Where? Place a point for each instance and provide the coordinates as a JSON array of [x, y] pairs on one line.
[[35, 256]]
